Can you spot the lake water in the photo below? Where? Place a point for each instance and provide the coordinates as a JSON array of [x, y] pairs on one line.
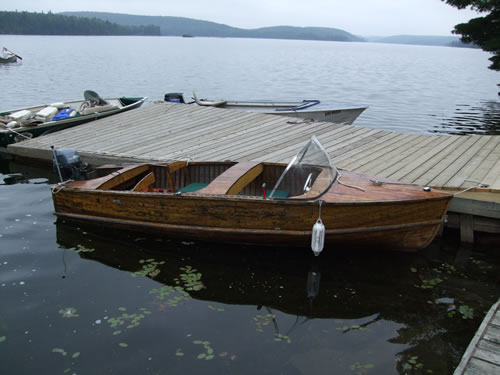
[[416, 89], [86, 300]]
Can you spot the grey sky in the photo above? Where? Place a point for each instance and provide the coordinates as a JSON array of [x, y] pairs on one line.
[[360, 17]]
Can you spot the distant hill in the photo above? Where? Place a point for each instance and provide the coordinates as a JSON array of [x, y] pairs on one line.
[[178, 26], [28, 23], [423, 40]]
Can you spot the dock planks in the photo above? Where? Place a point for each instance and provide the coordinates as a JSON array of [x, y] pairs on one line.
[[482, 356], [167, 131]]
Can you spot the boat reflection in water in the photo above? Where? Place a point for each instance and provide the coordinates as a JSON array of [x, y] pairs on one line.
[[377, 289], [342, 286]]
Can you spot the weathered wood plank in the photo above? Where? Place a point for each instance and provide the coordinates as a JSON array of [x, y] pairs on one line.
[[443, 160], [480, 367], [277, 153], [206, 137], [370, 147], [463, 158], [489, 355], [390, 157], [419, 157], [359, 161], [470, 363], [164, 131]]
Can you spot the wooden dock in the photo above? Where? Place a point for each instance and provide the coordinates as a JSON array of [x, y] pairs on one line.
[[482, 356], [168, 131]]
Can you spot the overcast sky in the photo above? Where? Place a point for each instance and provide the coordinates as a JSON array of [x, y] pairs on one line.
[[360, 17]]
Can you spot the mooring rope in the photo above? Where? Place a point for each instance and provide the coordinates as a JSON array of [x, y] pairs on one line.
[[339, 176], [479, 185]]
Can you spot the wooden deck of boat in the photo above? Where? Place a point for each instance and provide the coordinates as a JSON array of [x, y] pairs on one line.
[[482, 356], [166, 131]]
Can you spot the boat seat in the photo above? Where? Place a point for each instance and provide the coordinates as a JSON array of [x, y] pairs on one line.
[[145, 183], [116, 178], [98, 108], [191, 188], [278, 193], [234, 179]]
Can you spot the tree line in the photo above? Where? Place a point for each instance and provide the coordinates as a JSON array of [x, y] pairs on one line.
[[27, 23], [482, 31]]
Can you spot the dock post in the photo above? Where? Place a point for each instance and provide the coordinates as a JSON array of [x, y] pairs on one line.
[[467, 229]]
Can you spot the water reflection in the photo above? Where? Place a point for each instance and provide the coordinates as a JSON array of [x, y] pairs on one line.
[[483, 119], [391, 291]]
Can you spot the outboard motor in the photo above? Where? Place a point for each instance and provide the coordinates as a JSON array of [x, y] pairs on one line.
[[68, 164], [174, 97]]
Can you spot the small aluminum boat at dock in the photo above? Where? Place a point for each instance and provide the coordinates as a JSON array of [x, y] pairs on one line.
[[305, 109]]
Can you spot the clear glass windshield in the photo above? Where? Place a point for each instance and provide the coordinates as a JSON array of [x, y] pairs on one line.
[[310, 173]]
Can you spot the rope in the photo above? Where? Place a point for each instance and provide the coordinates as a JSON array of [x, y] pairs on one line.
[[339, 176], [56, 189], [20, 134], [479, 185]]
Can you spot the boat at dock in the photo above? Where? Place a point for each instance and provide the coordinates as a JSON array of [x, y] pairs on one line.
[[20, 124], [307, 202], [306, 109]]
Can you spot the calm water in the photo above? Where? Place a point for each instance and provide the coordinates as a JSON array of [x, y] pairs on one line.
[[414, 89], [88, 300]]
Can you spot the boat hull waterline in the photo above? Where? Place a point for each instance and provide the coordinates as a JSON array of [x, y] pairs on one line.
[[409, 221]]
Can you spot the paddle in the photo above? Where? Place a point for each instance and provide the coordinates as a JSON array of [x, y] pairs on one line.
[[12, 53]]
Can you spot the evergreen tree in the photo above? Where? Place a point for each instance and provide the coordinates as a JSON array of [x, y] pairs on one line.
[[483, 31]]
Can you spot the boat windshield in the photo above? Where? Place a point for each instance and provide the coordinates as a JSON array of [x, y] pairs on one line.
[[310, 173]]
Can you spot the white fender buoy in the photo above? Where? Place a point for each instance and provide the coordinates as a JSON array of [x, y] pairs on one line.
[[318, 234]]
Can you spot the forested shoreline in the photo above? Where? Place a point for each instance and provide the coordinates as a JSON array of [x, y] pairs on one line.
[[27, 23]]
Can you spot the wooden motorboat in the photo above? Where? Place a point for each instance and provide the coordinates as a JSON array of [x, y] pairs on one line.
[[305, 109], [20, 124], [258, 202]]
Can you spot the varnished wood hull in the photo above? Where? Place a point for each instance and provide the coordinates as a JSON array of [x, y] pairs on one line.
[[408, 224]]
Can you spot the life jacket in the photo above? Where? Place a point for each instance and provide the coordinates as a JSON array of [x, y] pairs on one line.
[[62, 114]]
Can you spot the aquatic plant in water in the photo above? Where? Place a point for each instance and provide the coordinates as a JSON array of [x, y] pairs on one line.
[[413, 364], [282, 338], [3, 338], [167, 290], [429, 284], [360, 368], [467, 312], [82, 249], [149, 268], [263, 320], [351, 328], [132, 320], [190, 279], [69, 312], [64, 353], [215, 308], [208, 354]]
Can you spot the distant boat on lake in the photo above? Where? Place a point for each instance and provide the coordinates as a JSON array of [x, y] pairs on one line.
[[9, 57]]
